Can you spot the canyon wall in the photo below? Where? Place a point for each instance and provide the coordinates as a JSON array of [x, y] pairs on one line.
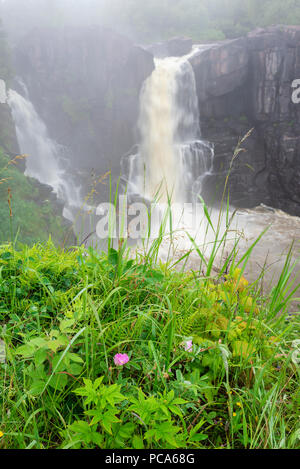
[[246, 84], [8, 138], [85, 83]]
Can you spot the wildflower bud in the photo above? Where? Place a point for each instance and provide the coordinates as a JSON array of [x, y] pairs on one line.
[[188, 346]]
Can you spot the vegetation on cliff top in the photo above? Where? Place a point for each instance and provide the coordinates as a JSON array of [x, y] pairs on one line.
[[98, 350], [153, 20]]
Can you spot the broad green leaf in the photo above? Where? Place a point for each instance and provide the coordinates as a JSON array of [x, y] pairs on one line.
[[58, 381], [137, 442]]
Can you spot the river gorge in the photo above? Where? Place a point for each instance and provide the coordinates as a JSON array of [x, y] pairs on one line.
[[167, 118]]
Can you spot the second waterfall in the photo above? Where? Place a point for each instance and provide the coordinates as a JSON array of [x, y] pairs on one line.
[[172, 160]]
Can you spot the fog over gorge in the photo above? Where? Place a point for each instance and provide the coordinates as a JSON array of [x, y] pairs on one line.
[[79, 81], [150, 216]]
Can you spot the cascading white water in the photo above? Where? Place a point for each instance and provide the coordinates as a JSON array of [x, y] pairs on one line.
[[171, 160], [172, 155], [45, 157]]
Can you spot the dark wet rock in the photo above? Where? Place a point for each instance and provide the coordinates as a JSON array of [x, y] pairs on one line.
[[85, 83], [8, 137], [247, 83]]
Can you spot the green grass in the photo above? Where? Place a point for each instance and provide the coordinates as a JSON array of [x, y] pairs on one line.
[[212, 361], [64, 315], [28, 217]]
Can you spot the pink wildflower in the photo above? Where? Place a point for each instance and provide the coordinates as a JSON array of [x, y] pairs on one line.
[[188, 346], [120, 359]]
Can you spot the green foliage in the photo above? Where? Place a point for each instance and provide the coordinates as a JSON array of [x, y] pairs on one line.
[[155, 20], [118, 421], [30, 219], [65, 315]]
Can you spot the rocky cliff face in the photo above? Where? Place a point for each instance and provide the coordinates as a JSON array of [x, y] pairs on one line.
[[247, 83], [8, 138], [26, 192], [85, 83]]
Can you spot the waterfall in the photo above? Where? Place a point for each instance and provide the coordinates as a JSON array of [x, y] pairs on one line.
[[46, 160], [171, 158]]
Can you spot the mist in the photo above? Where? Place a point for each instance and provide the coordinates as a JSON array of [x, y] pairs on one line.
[[149, 226], [153, 20]]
